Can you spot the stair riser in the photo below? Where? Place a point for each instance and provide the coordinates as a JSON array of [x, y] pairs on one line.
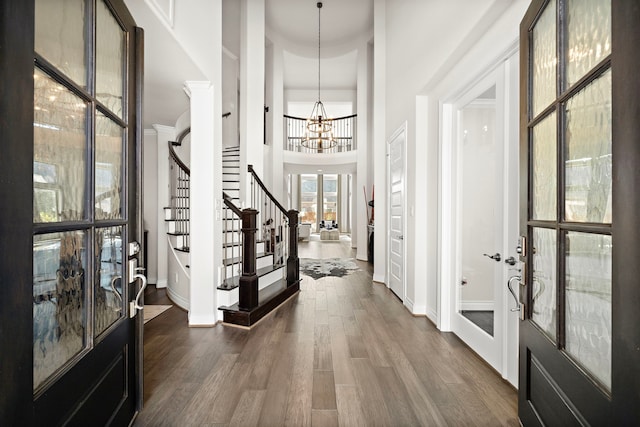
[[178, 242], [261, 262], [177, 226], [268, 279], [176, 213]]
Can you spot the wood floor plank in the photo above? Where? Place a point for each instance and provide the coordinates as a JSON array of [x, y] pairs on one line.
[[340, 356], [324, 390], [275, 403], [322, 357], [372, 399], [324, 418], [196, 410], [298, 412], [394, 390], [247, 413], [350, 413]]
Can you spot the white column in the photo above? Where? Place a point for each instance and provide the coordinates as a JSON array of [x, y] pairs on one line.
[[252, 36], [380, 141], [202, 298], [165, 134], [276, 112], [359, 234]]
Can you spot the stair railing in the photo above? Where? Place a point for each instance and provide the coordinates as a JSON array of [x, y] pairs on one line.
[[277, 227], [343, 131], [233, 238], [179, 183]]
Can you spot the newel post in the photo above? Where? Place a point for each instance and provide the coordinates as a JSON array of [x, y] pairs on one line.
[[248, 292], [293, 262]]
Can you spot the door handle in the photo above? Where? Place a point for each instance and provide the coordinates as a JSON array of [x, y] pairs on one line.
[[401, 237], [134, 305], [496, 257], [518, 306]]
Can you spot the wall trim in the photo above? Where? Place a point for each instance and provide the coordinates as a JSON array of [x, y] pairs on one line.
[[150, 132], [202, 321], [161, 284], [432, 315], [177, 299], [477, 305], [379, 278]]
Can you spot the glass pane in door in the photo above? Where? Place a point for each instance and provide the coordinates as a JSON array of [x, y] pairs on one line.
[[59, 309], [480, 209], [60, 36], [588, 303], [309, 200], [110, 56], [59, 125], [588, 36], [589, 162], [543, 299], [330, 198], [108, 168], [108, 277], [544, 176], [544, 60]]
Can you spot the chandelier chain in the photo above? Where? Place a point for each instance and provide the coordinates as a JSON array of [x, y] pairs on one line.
[[319, 7]]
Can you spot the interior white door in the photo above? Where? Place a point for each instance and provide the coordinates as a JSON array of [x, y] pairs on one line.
[[396, 166], [480, 218]]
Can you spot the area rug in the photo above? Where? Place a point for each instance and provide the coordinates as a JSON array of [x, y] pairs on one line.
[[335, 267], [153, 311]]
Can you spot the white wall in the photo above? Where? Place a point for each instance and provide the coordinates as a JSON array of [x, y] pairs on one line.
[[414, 87], [150, 191]]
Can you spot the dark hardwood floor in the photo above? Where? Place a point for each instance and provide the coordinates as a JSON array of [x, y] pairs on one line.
[[343, 352]]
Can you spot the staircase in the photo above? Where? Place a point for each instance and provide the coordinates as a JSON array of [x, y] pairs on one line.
[[253, 257], [260, 267], [177, 216]]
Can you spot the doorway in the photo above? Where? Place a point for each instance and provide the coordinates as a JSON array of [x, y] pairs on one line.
[[480, 216], [396, 166]]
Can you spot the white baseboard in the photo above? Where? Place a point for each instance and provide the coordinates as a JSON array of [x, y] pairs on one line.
[[432, 315], [161, 284], [202, 321], [477, 305], [177, 299], [378, 278]]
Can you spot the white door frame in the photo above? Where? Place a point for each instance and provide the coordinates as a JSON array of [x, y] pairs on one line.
[[501, 354], [400, 132]]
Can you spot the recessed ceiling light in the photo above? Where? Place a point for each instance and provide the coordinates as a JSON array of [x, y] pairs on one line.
[[319, 170]]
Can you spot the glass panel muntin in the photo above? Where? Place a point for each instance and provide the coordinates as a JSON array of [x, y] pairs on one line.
[[562, 226], [87, 224]]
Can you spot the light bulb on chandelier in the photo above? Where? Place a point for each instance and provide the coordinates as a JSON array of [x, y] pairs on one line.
[[319, 132]]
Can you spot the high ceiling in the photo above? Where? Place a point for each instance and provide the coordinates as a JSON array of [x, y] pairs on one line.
[[343, 24], [341, 20]]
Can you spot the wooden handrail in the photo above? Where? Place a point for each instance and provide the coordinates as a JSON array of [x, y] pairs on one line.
[[267, 192], [176, 159], [286, 116], [227, 201]]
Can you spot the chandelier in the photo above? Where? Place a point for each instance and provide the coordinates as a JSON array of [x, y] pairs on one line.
[[319, 130]]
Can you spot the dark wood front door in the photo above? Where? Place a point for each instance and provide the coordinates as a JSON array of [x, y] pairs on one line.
[[580, 127], [70, 105]]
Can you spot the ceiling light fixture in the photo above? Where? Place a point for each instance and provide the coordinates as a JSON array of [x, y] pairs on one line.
[[319, 133]]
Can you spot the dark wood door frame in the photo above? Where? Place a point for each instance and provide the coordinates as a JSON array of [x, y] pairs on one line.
[[16, 194]]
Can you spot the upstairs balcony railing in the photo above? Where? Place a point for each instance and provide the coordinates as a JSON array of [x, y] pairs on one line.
[[344, 134]]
